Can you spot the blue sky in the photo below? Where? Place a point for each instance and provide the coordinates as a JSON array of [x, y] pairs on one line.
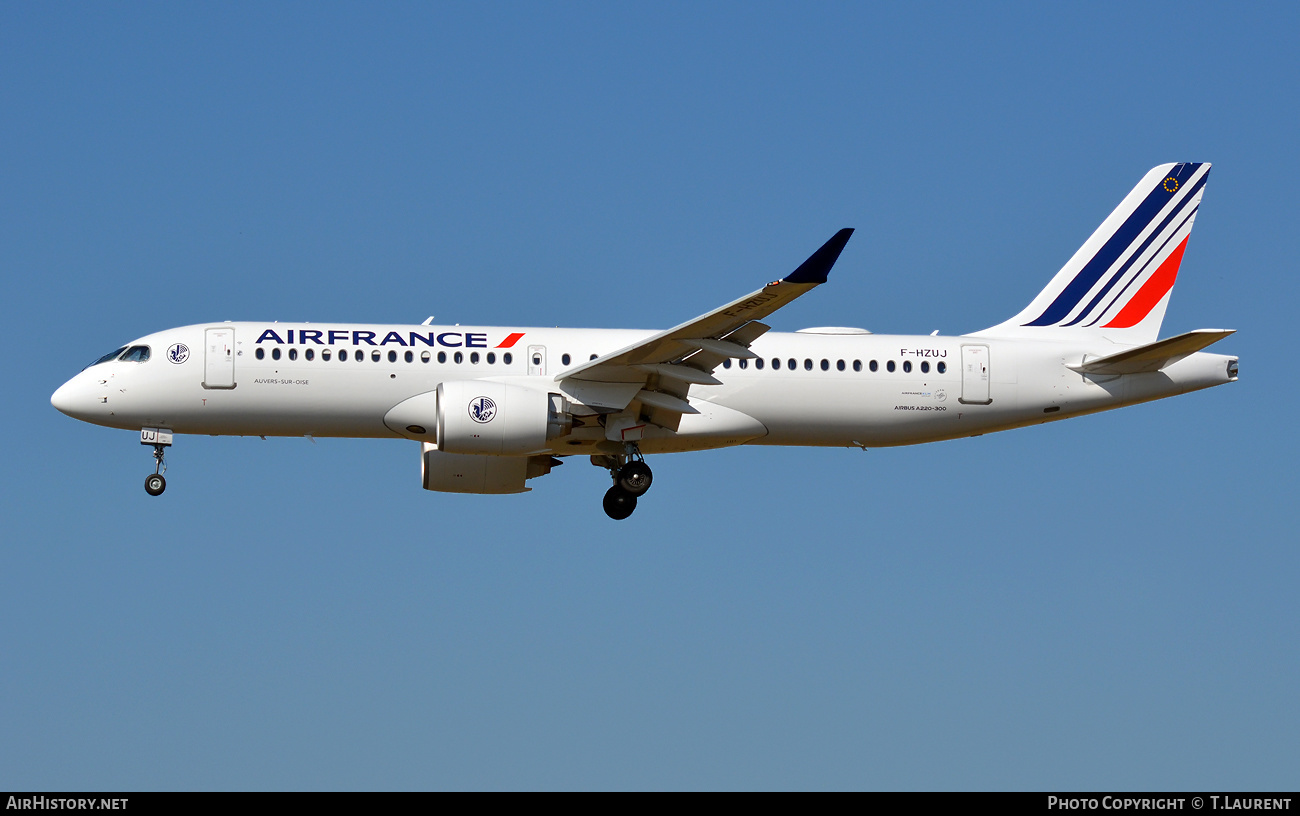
[[1107, 602]]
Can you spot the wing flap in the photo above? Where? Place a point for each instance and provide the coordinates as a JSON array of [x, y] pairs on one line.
[[668, 402], [682, 373]]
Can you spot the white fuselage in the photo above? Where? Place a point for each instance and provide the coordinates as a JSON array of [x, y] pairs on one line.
[[831, 396]]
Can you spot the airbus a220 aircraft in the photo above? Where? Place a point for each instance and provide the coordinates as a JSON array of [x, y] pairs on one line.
[[495, 407]]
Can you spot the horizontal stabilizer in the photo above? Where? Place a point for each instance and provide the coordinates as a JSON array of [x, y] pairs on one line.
[[1154, 356]]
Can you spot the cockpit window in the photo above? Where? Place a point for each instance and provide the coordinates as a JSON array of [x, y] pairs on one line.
[[136, 354], [112, 355]]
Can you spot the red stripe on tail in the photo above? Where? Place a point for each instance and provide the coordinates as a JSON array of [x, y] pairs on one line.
[[1141, 304]]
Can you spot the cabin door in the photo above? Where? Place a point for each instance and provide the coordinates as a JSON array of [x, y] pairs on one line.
[[219, 358], [975, 375]]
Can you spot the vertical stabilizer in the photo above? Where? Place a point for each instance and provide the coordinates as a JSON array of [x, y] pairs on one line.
[[1117, 286]]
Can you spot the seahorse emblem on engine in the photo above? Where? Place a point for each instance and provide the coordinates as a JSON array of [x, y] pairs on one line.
[[482, 409]]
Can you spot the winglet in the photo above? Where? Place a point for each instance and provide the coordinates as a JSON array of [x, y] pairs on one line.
[[815, 269]]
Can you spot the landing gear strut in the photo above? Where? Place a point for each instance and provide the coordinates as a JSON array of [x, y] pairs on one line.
[[154, 483], [632, 478]]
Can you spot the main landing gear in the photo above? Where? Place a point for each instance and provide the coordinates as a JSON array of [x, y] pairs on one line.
[[154, 483], [632, 478]]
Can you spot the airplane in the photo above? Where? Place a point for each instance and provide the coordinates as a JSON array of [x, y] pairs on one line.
[[494, 407]]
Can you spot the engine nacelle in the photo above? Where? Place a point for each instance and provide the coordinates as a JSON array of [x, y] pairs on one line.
[[496, 419], [467, 473]]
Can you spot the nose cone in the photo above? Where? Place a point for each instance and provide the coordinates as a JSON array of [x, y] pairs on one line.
[[64, 399], [76, 398]]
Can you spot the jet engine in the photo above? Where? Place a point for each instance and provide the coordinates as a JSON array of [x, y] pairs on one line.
[[497, 419]]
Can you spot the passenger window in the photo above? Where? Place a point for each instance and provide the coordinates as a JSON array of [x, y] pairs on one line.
[[826, 365], [807, 364], [343, 355], [409, 356], [473, 357], [459, 358], [374, 355], [744, 364], [491, 358], [857, 365], [839, 365], [792, 364], [325, 354], [874, 366], [442, 356], [260, 353], [925, 367], [507, 358], [425, 356], [392, 356], [943, 367], [759, 363], [776, 363], [293, 354], [592, 357], [309, 354], [889, 366], [275, 354], [565, 359], [726, 363], [907, 366]]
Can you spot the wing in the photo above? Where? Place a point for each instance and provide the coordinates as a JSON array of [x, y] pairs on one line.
[[667, 364]]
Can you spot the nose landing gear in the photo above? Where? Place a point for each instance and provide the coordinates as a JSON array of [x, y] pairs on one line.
[[632, 478], [154, 483]]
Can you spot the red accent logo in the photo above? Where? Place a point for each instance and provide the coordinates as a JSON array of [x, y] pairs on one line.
[[510, 340]]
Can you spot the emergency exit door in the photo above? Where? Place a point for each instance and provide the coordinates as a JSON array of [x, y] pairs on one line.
[[536, 361], [975, 375], [219, 358]]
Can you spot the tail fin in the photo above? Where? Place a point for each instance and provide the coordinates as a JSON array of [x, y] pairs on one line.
[[1117, 285]]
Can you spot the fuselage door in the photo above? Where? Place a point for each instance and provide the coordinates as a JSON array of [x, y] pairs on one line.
[[975, 375], [219, 358], [537, 361]]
